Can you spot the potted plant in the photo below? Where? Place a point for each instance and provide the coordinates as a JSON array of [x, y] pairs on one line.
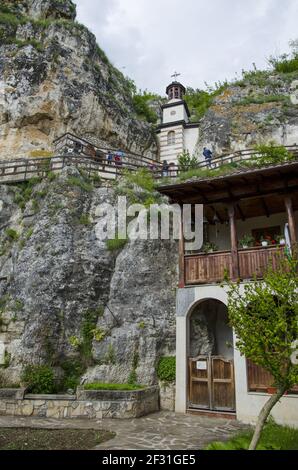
[[246, 241], [280, 239], [209, 247], [264, 241]]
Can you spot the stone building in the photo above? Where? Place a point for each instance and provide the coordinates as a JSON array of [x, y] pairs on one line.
[[212, 377]]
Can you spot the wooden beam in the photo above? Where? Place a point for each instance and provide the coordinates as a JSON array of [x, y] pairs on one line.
[[234, 242], [265, 207], [181, 283], [244, 196], [291, 220], [217, 214], [241, 212]]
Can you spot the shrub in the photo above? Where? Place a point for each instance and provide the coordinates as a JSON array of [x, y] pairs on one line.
[[186, 162], [84, 219], [142, 178], [166, 369], [116, 243], [142, 109], [271, 154], [39, 379], [79, 183], [12, 234]]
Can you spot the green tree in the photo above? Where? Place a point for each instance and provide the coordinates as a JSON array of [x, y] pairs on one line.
[[265, 319], [187, 162]]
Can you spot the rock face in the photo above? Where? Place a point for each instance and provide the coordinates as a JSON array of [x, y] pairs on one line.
[[260, 109], [42, 9], [66, 297], [54, 79]]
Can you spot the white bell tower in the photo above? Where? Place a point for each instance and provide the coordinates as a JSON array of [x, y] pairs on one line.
[[175, 133]]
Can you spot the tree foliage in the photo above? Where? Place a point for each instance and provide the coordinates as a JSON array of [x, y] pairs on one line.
[[265, 320], [264, 316], [187, 162]]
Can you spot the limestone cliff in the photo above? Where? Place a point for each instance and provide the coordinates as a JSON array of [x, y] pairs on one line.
[[69, 302], [257, 109], [54, 78]]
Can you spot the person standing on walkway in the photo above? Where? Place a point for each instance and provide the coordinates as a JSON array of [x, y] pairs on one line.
[[208, 156], [165, 168]]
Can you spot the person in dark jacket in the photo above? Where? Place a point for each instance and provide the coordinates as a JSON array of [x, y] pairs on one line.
[[165, 168], [208, 156]]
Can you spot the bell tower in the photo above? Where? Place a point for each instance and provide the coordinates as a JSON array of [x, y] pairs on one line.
[[175, 91], [176, 134]]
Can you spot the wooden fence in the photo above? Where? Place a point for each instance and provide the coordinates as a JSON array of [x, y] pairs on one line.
[[95, 163]]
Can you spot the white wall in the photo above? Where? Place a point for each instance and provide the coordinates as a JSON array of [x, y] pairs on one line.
[[174, 113], [190, 139], [248, 404], [171, 152]]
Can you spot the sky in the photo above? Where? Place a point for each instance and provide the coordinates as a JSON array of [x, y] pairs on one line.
[[207, 41]]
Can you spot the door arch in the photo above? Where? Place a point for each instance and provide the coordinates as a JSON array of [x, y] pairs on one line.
[[210, 357]]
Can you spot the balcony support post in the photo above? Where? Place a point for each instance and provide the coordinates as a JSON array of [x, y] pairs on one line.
[[291, 221], [234, 243], [181, 283]]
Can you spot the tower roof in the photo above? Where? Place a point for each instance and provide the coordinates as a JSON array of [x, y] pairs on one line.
[[175, 84]]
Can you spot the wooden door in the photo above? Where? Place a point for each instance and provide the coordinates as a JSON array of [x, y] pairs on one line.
[[211, 383]]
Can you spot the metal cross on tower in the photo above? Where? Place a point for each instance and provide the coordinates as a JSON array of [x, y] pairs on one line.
[[175, 75]]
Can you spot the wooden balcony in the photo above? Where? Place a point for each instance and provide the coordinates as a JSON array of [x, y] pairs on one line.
[[212, 267]]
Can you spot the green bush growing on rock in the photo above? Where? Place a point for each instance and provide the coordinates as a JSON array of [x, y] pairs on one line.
[[187, 162], [79, 183], [84, 220], [116, 243], [142, 108], [12, 234], [39, 379], [166, 368]]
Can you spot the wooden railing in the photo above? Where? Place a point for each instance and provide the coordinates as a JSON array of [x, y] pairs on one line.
[[236, 157], [213, 267], [15, 171], [93, 160]]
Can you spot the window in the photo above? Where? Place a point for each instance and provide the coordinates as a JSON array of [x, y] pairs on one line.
[[176, 92], [171, 138], [259, 380]]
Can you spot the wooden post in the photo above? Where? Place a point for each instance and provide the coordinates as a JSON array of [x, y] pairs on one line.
[[291, 220], [181, 255], [234, 243]]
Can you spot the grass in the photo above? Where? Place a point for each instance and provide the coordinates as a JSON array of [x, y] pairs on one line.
[[262, 99], [51, 439], [79, 183], [116, 243], [105, 386], [274, 437]]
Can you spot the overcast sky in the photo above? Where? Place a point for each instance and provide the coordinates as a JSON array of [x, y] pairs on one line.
[[204, 40]]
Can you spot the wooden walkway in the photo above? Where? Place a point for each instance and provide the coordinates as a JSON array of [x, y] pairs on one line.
[[71, 150]]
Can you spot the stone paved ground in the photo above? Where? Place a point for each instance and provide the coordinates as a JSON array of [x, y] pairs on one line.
[[161, 431]]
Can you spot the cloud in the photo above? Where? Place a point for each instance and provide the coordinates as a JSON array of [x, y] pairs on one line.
[[205, 40]]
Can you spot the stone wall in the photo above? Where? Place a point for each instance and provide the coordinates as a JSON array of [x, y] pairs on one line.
[[86, 404], [167, 396]]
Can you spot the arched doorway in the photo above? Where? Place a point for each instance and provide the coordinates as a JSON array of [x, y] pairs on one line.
[[210, 357]]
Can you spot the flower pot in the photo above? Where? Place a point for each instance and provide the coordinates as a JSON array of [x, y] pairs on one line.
[[245, 247], [282, 241], [264, 243], [271, 390]]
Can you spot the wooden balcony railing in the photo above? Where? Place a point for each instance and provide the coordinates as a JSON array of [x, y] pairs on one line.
[[212, 267]]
